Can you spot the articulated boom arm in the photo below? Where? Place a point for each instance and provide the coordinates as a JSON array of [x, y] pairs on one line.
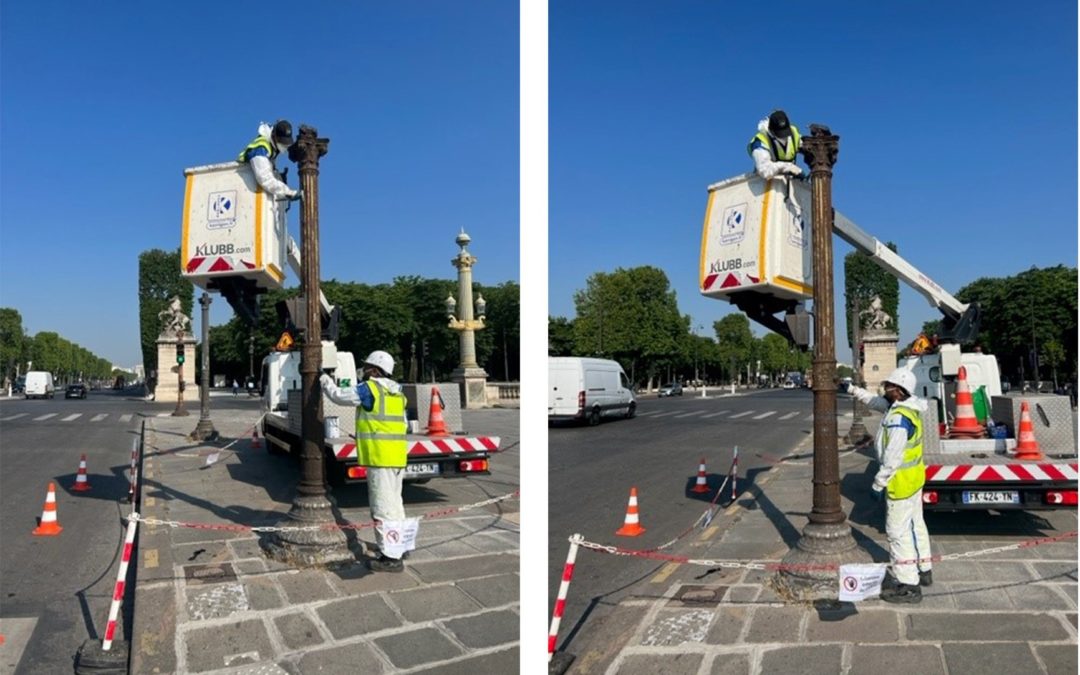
[[961, 320], [294, 263]]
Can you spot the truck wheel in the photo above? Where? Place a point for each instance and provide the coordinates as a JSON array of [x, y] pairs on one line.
[[631, 410], [594, 417]]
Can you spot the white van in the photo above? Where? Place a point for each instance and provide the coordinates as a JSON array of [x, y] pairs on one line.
[[587, 389], [39, 384]]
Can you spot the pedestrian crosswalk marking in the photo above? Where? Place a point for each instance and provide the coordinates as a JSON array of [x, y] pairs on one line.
[[764, 415], [14, 417], [743, 414], [719, 412], [691, 413], [71, 417], [44, 417], [669, 412], [98, 418], [789, 416], [647, 413], [126, 418]]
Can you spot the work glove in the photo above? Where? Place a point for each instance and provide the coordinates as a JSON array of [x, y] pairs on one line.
[[327, 382], [793, 169], [296, 195], [877, 494]]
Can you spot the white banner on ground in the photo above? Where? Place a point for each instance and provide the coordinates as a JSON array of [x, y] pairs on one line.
[[398, 536], [859, 582]]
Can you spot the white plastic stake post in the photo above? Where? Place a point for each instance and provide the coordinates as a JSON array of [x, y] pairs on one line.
[[560, 602], [734, 472]]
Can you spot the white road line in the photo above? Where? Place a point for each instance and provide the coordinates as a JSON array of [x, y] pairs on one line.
[[71, 417], [44, 417], [163, 414], [98, 418], [788, 416], [809, 418], [14, 417], [743, 414], [764, 415], [719, 412], [127, 417], [691, 413], [669, 412], [646, 414]]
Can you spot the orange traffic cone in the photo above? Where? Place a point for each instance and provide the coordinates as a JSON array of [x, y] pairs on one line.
[[965, 425], [701, 485], [1026, 445], [631, 527], [255, 442], [49, 526], [436, 426], [81, 484]]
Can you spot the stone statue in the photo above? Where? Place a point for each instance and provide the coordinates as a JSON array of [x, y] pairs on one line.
[[879, 318], [173, 320]]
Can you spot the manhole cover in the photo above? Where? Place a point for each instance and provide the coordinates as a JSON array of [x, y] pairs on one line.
[[700, 595], [212, 573]]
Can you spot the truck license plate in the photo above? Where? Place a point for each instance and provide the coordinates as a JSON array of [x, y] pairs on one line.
[[427, 469], [1004, 497]]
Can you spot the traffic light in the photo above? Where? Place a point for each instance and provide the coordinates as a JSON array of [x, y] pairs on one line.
[[180, 354]]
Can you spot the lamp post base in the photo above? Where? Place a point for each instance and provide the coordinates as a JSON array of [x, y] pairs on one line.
[[810, 569], [204, 431], [310, 548]]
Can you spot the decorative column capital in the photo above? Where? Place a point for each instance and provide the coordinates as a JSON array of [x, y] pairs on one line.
[[308, 148], [820, 148]]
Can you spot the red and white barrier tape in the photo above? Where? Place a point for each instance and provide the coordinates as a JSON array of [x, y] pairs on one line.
[[121, 575], [564, 588], [775, 566], [312, 528]]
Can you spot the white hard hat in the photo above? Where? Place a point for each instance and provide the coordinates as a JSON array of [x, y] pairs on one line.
[[903, 378], [381, 360]]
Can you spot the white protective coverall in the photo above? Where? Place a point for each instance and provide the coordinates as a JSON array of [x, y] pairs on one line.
[[265, 173], [904, 524], [384, 483], [764, 164]]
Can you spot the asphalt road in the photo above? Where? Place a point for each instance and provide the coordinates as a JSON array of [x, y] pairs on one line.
[[593, 468], [55, 591]]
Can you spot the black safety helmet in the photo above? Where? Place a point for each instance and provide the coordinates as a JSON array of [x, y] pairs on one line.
[[779, 125], [282, 133]]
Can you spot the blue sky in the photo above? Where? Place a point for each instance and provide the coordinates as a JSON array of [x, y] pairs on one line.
[[957, 125], [104, 104]]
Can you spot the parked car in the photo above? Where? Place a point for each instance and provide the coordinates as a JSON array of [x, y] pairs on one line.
[[788, 384], [39, 384], [671, 389], [583, 389], [77, 390]]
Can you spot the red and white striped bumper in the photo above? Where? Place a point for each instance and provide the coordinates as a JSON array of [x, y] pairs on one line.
[[436, 446], [987, 473]]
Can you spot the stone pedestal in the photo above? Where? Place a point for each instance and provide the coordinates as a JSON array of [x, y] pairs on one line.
[[167, 386], [473, 385], [879, 356]]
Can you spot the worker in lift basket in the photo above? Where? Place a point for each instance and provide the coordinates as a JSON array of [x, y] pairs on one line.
[[775, 146], [261, 153], [900, 479], [380, 443]]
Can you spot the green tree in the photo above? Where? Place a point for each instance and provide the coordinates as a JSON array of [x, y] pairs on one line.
[[159, 281], [863, 281], [735, 343], [560, 336], [503, 330], [14, 347]]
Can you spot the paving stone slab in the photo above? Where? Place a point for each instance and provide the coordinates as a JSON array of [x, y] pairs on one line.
[[937, 597], [227, 646], [494, 543], [1003, 571], [493, 591], [673, 627], [250, 567], [1039, 597], [775, 624], [466, 568], [925, 660], [742, 594], [262, 593], [730, 664], [989, 657], [353, 658], [978, 627], [357, 616], [216, 601], [441, 530], [1072, 619], [673, 664], [428, 604], [727, 625], [453, 548], [1062, 573], [1059, 659], [298, 631], [981, 596], [823, 660], [505, 661], [853, 625], [247, 548], [485, 630], [197, 554], [153, 647], [359, 580], [309, 585], [414, 648]]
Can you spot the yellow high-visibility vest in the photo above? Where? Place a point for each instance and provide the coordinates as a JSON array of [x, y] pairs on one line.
[[380, 434], [911, 476], [259, 142], [779, 154]]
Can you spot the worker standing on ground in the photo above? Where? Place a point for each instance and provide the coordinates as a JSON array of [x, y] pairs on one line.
[[900, 478], [380, 444], [775, 146], [261, 153]]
